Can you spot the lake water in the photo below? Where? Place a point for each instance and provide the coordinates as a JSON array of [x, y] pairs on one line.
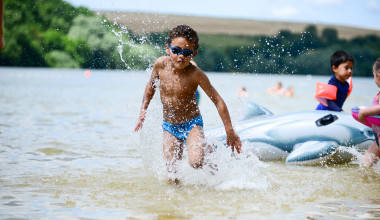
[[68, 152]]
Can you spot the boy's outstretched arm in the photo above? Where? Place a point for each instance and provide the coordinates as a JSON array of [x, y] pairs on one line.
[[148, 95], [233, 139]]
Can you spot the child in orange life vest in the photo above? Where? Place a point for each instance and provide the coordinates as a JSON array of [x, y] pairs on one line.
[[333, 95], [373, 153]]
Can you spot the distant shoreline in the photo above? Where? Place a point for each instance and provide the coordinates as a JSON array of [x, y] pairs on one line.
[[143, 22]]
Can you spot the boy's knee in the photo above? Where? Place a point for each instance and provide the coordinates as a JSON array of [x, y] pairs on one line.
[[196, 156], [196, 164]]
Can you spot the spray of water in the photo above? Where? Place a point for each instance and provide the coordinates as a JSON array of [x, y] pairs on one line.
[[367, 173], [222, 170], [136, 51]]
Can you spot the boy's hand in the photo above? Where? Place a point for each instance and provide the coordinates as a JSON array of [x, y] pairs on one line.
[[233, 140], [140, 122]]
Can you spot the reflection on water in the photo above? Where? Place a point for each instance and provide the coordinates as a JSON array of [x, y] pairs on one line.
[[67, 151]]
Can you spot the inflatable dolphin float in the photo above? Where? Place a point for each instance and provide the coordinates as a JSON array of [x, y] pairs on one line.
[[307, 137]]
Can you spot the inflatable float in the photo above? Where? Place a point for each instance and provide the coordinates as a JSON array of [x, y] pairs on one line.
[[306, 137], [254, 110], [371, 120]]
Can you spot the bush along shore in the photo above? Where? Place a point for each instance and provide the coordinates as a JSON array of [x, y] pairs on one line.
[[56, 34]]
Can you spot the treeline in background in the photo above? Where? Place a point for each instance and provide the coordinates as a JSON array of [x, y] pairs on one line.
[[53, 33]]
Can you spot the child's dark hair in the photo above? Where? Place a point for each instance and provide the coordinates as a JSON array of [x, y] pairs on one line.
[[339, 57], [186, 32], [376, 66]]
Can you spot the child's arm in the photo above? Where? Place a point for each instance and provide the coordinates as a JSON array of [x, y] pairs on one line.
[[233, 139], [148, 95], [373, 110], [331, 105]]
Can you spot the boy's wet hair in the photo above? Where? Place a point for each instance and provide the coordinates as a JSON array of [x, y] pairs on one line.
[[340, 57], [186, 32], [376, 66]]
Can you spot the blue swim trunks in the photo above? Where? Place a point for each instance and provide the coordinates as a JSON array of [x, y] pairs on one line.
[[181, 131]]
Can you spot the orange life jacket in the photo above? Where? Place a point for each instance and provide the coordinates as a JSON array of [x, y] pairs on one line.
[[324, 92]]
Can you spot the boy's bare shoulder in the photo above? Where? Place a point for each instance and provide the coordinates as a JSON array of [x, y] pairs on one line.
[[161, 61], [198, 73]]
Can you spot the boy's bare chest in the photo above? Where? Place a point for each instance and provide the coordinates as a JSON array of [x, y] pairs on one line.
[[172, 83]]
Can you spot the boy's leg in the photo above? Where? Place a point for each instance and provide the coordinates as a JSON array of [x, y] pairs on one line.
[[173, 149], [195, 143]]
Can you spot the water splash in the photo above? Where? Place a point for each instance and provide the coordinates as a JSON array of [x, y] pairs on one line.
[[373, 172], [234, 171], [136, 51]]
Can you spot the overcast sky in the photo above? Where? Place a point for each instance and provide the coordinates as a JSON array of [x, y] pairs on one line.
[[357, 13]]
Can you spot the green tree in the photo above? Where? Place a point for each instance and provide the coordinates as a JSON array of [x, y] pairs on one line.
[[364, 58], [61, 59], [329, 36], [101, 41], [311, 37], [25, 24]]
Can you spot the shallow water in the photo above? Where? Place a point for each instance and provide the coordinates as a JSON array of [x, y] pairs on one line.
[[68, 151]]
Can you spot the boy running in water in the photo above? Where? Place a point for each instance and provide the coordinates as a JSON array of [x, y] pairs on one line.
[[178, 81]]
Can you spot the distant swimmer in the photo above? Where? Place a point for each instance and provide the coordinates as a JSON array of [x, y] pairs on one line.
[[178, 79], [277, 90], [290, 92], [242, 91], [87, 73]]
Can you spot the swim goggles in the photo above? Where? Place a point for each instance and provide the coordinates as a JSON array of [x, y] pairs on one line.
[[179, 51]]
